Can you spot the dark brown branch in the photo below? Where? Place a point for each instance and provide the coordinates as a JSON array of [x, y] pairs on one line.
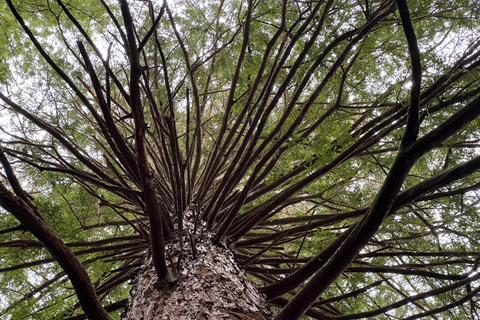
[[109, 308], [152, 29], [414, 298], [413, 125], [117, 141], [379, 210], [92, 44], [150, 197], [65, 258]]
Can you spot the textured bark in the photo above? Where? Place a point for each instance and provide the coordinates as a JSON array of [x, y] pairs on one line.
[[210, 286]]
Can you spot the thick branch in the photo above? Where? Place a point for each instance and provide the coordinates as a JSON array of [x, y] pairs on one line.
[[148, 180], [413, 124], [65, 258]]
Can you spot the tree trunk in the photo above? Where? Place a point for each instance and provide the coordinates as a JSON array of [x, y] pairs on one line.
[[211, 286]]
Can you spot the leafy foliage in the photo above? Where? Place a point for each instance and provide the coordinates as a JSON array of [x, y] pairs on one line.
[[285, 127]]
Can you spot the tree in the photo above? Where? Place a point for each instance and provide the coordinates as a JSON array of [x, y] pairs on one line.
[[326, 148]]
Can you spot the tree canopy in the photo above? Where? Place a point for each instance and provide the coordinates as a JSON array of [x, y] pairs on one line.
[[331, 144]]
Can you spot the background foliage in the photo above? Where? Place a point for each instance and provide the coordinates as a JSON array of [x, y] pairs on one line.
[[275, 123]]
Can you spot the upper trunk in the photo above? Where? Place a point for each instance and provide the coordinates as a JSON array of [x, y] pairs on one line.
[[210, 286]]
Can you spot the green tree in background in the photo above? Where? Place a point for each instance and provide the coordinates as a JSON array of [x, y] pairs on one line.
[[239, 159]]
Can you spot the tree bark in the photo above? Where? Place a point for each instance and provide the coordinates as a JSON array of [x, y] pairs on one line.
[[210, 286]]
